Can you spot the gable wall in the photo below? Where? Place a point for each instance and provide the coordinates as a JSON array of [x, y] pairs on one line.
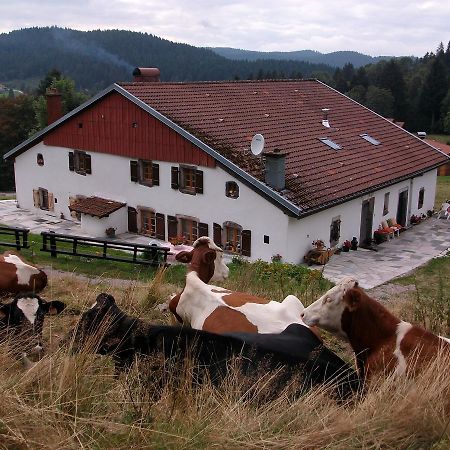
[[107, 127]]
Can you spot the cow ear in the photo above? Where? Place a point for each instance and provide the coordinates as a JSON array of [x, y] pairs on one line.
[[209, 256], [353, 299], [55, 307], [4, 312], [184, 257]]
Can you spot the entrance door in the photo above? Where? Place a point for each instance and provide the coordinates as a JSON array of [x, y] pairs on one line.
[[402, 208], [132, 220], [365, 236]]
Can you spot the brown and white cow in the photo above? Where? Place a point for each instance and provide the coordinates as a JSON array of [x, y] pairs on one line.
[[16, 275], [382, 343], [218, 310], [22, 321]]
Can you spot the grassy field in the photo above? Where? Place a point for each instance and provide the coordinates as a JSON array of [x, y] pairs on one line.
[[7, 196], [444, 138]]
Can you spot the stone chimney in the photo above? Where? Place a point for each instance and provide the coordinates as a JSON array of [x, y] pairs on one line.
[[146, 74], [54, 105], [325, 121], [275, 173]]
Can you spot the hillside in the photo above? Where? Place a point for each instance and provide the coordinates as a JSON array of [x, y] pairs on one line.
[[334, 59], [95, 59]]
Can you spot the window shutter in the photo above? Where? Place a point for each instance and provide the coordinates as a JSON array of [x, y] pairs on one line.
[[175, 172], [71, 161], [87, 164], [155, 174], [134, 173], [51, 202], [172, 227], [203, 229], [217, 234], [246, 243], [199, 181], [36, 198], [160, 227], [132, 220]]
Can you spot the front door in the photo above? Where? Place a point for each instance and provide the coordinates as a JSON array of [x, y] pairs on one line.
[[365, 236], [132, 220], [402, 208]]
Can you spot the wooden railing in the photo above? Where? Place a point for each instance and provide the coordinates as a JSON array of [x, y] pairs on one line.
[[152, 255], [20, 235]]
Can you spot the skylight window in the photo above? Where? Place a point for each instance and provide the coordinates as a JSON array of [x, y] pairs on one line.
[[331, 144], [370, 139]]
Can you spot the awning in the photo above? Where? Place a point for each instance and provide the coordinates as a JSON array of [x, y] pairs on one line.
[[96, 206]]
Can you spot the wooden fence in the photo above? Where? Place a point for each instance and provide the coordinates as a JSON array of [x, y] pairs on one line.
[[20, 234], [152, 255]]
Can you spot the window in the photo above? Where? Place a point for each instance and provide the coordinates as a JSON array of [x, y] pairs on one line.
[[370, 139], [421, 197], [80, 162], [386, 204], [148, 222], [187, 179], [231, 189], [266, 239], [232, 237], [330, 143], [335, 231], [144, 172], [43, 199], [188, 228], [40, 159]]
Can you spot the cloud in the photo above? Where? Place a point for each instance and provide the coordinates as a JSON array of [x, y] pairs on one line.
[[382, 27]]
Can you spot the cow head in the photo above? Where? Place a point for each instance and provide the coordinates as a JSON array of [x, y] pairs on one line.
[[327, 311], [23, 318], [98, 325], [206, 259]]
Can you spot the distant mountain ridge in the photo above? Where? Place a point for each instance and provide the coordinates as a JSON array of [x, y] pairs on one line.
[[95, 59], [334, 59]]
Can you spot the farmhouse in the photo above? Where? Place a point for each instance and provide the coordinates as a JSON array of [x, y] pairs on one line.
[[176, 159]]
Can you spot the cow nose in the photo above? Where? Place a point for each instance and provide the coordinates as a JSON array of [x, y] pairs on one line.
[[302, 315]]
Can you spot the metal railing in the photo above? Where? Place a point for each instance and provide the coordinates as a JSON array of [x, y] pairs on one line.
[[20, 237], [152, 255]]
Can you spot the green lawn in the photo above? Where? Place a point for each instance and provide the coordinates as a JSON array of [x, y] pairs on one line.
[[444, 138]]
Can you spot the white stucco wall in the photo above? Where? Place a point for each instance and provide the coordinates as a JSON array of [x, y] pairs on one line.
[[97, 227], [110, 179]]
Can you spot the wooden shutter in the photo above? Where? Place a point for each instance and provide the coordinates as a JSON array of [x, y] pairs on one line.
[[203, 229], [175, 177], [246, 244], [134, 172], [36, 198], [217, 234], [172, 227], [87, 163], [160, 227], [71, 161], [51, 202], [155, 174], [199, 181]]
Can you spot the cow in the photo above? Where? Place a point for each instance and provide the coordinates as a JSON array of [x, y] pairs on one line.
[[218, 310], [16, 275], [22, 320], [296, 352], [382, 342]]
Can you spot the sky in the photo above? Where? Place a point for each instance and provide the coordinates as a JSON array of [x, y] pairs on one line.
[[382, 27]]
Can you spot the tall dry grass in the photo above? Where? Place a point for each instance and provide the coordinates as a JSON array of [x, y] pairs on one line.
[[71, 401]]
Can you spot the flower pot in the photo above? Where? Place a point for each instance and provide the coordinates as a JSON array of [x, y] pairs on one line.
[[345, 249]]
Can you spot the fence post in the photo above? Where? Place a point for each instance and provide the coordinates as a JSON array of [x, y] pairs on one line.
[[25, 238], [16, 233], [53, 252]]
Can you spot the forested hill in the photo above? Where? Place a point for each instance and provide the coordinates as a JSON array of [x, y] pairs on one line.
[[95, 59], [334, 59]]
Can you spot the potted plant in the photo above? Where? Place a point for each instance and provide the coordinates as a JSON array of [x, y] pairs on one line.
[[110, 232], [318, 244], [354, 243], [346, 246], [177, 241]]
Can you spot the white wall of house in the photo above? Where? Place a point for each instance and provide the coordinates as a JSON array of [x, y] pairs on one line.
[[110, 179], [97, 227]]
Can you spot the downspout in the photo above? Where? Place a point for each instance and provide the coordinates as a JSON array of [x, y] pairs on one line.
[[408, 211]]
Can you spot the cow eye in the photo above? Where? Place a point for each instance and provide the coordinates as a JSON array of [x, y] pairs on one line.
[[326, 300]]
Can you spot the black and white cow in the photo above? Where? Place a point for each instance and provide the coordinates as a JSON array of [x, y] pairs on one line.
[[22, 321], [296, 351]]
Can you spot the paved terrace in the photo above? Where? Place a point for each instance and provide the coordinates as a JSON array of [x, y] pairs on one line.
[[394, 258]]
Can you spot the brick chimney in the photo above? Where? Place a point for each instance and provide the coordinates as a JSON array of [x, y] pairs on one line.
[[54, 105], [275, 174], [146, 74]]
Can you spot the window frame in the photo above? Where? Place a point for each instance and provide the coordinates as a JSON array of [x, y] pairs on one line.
[[233, 245], [80, 162], [192, 223], [40, 160], [421, 198], [184, 171], [150, 215], [386, 203], [232, 189]]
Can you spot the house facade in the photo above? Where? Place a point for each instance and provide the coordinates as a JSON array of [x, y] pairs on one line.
[[170, 160]]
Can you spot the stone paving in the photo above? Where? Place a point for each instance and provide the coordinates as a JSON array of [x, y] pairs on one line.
[[398, 256], [394, 258]]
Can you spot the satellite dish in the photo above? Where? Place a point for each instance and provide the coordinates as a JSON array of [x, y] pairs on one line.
[[257, 144]]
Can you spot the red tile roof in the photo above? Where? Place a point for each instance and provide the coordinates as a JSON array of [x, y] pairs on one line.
[[96, 206], [226, 115], [439, 145]]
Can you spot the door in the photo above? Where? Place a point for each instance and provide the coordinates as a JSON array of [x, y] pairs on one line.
[[365, 236], [402, 208], [132, 220]]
